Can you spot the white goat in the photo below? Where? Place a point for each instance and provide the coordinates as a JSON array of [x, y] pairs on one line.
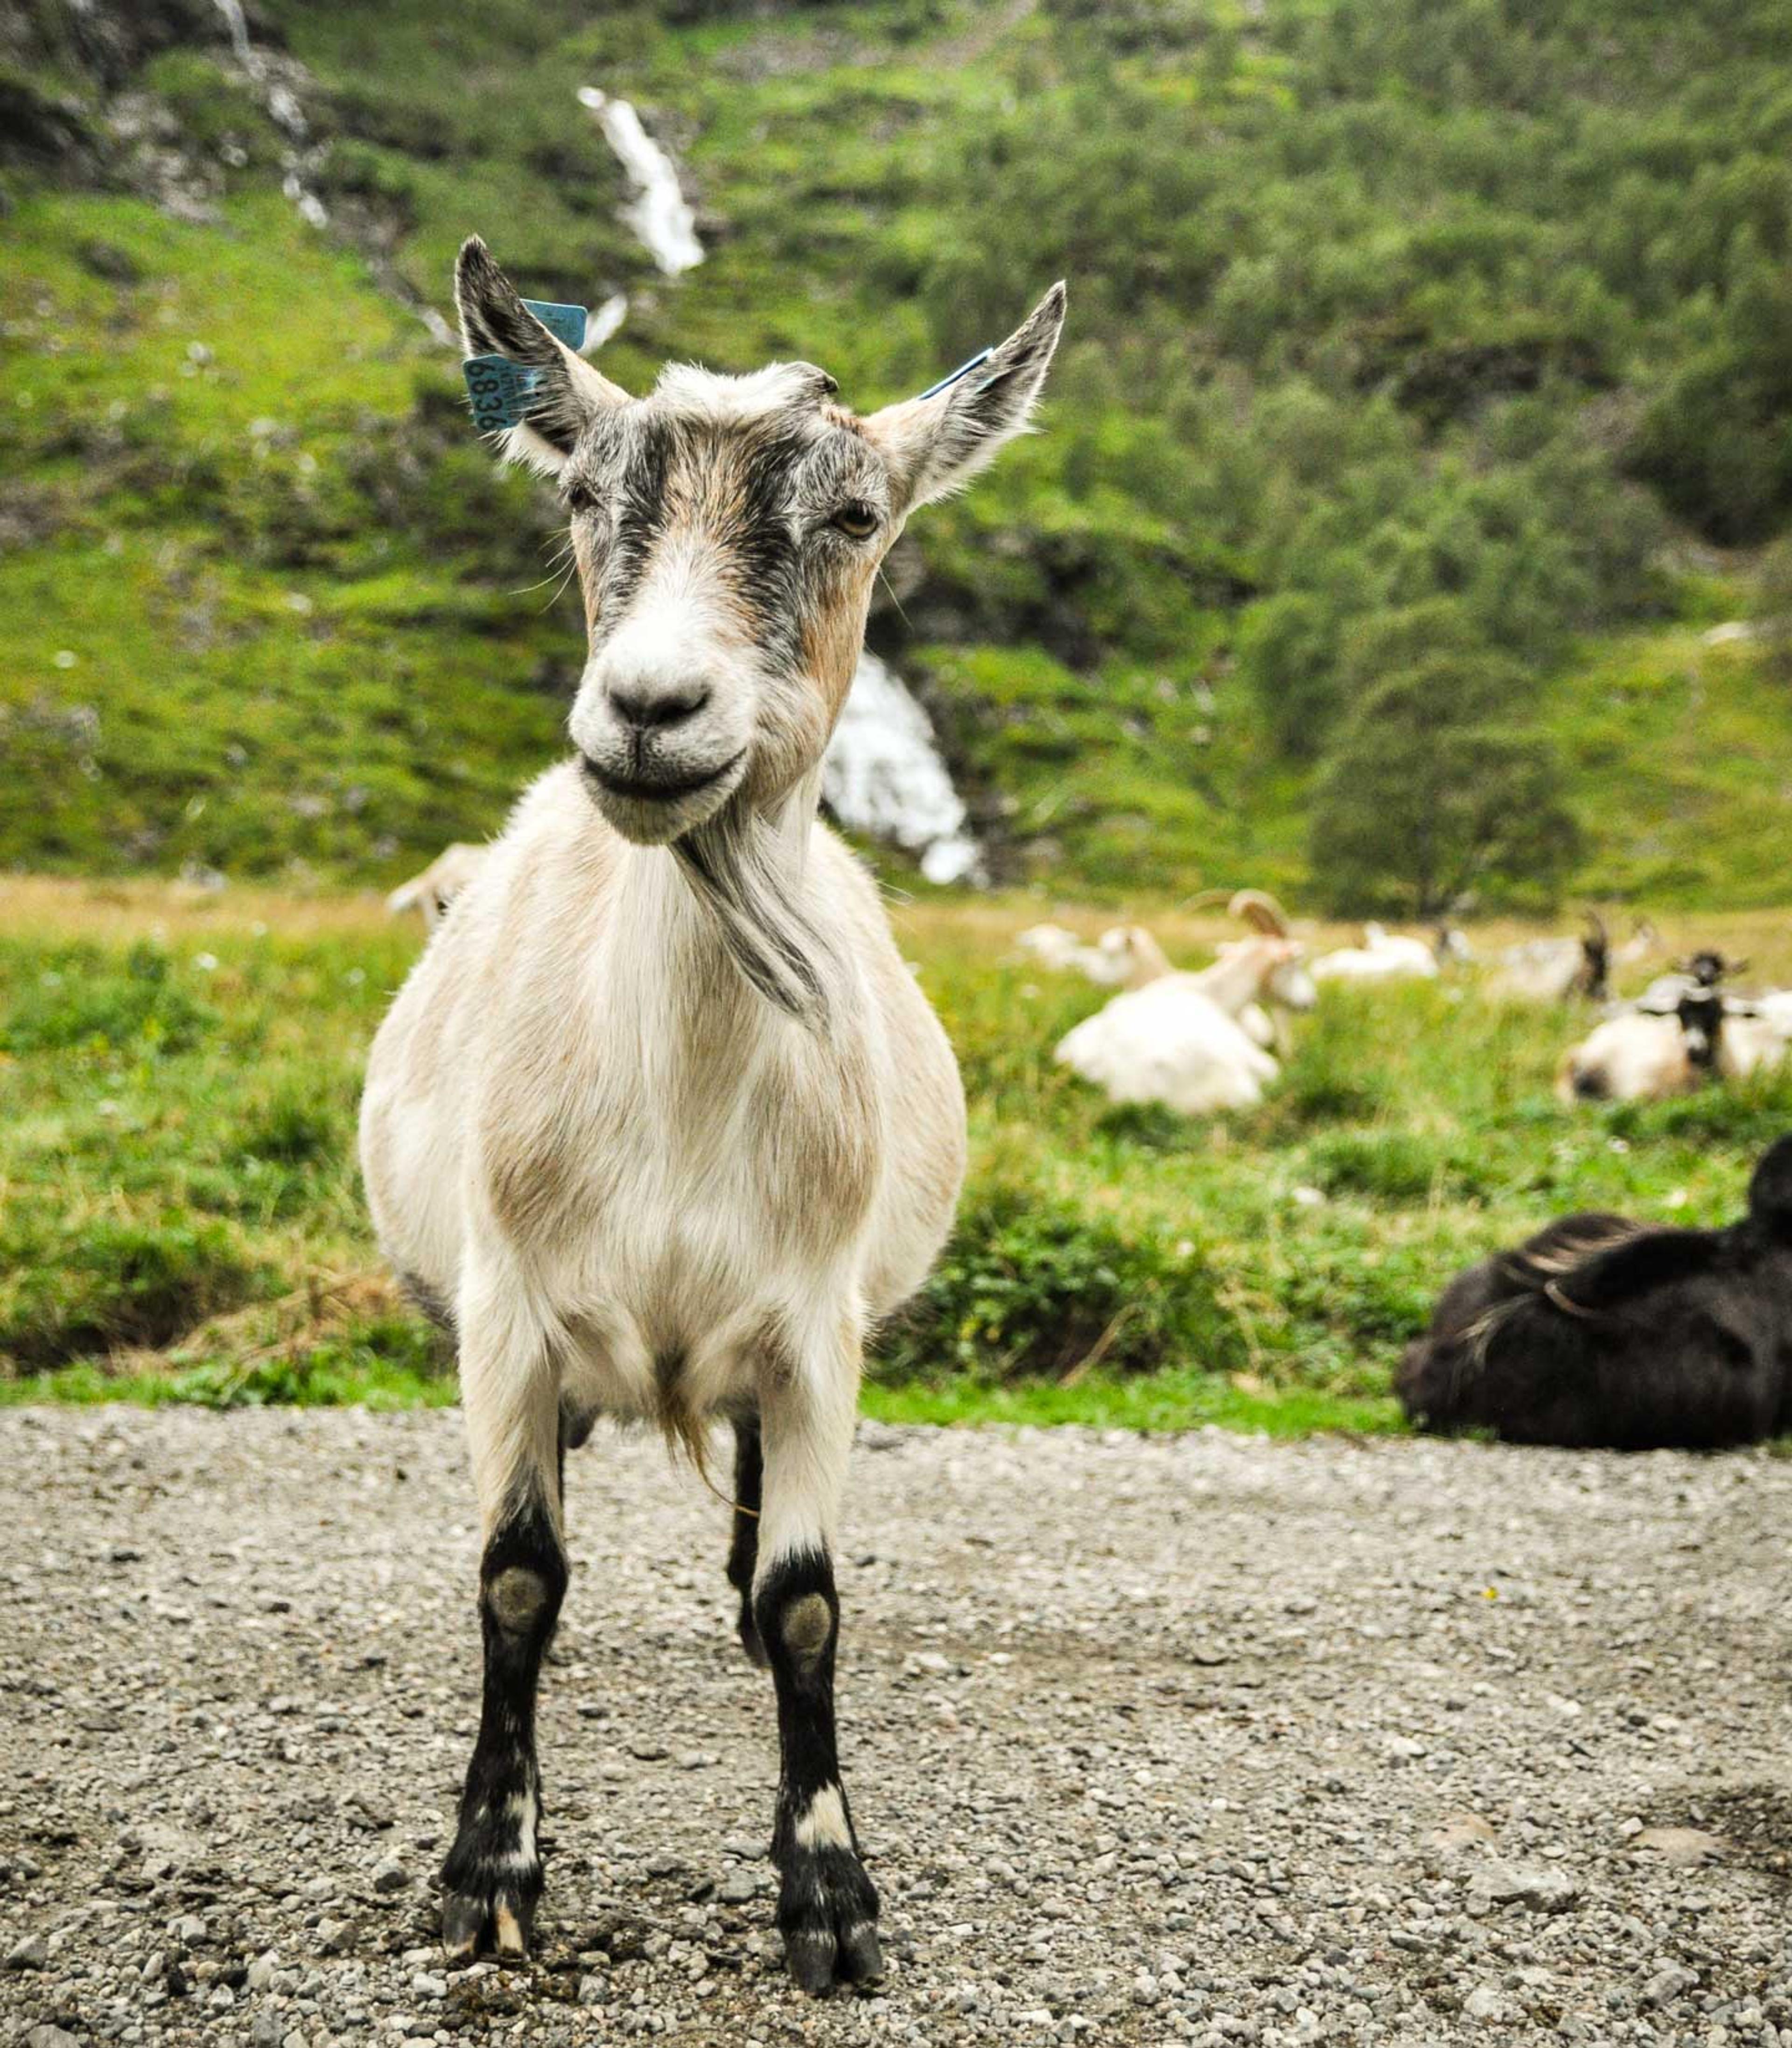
[[1640, 1056], [1187, 1039], [661, 1118], [1170, 1042], [1197, 1042], [432, 891], [1383, 955], [1127, 957], [1054, 946]]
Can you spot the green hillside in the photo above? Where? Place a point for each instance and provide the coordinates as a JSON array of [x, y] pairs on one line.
[[1394, 327]]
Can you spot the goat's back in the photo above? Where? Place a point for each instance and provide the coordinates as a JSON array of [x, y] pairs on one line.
[[1697, 1362]]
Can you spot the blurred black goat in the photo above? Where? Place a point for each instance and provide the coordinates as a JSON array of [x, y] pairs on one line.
[[1599, 1331]]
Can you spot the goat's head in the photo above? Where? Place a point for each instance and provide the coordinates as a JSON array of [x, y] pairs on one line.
[[1701, 1012], [1276, 968], [1709, 968], [1290, 983], [726, 531], [1277, 959], [1128, 957]]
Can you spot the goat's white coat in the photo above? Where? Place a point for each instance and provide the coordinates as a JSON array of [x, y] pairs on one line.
[[684, 1173], [1539, 969], [1383, 955], [1169, 1042], [1634, 1057], [1640, 1056], [639, 1186]]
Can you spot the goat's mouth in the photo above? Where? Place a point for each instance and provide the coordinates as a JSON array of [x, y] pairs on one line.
[[652, 808]]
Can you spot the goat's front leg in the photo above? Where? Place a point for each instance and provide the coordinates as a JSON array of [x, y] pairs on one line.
[[827, 1907], [492, 1878]]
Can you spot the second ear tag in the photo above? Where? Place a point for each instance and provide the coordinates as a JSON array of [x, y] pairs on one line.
[[565, 324]]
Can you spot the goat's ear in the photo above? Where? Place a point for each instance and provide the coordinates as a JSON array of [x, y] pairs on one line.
[[568, 393], [937, 443]]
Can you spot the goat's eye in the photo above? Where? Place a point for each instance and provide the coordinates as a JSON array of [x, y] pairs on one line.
[[580, 497], [856, 520]]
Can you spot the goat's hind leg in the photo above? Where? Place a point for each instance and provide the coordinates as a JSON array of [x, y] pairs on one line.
[[492, 1878], [743, 1550], [827, 1907]]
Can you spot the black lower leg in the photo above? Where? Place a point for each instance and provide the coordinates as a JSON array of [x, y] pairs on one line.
[[493, 1875], [743, 1551], [827, 1906]]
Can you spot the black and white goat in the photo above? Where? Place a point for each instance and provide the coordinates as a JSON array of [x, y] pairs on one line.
[[660, 1120], [1601, 1332], [1684, 1032]]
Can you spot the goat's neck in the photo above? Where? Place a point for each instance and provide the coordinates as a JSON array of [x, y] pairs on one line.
[[671, 956], [1235, 979]]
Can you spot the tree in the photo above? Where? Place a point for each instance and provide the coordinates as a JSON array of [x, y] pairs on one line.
[[1434, 792], [1287, 654]]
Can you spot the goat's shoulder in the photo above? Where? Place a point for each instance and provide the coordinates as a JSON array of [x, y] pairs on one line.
[[1617, 1273]]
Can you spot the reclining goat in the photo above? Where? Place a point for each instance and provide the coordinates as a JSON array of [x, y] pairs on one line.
[[1601, 1332]]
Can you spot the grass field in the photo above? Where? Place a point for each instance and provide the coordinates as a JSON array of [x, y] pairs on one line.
[[179, 1217]]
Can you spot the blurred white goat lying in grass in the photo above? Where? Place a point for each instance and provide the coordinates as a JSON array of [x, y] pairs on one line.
[[1383, 955], [1196, 1041]]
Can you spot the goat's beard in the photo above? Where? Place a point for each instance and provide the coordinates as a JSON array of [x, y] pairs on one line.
[[748, 877]]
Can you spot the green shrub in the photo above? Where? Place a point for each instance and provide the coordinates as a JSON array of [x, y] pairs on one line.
[[1029, 1286], [390, 1362], [294, 1127], [1153, 1126], [1336, 1073], [109, 1283]]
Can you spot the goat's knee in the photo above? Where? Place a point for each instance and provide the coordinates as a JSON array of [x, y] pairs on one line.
[[520, 1600], [806, 1624], [522, 1576], [795, 1613]]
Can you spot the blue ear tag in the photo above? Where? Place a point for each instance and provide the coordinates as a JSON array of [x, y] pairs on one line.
[[565, 324], [964, 369], [501, 389]]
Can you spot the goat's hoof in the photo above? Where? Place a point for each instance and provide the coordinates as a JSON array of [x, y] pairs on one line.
[[501, 1920], [828, 1913]]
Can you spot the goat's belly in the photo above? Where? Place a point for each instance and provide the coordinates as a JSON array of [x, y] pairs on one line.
[[678, 1300]]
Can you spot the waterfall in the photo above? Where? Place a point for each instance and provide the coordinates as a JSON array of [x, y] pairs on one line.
[[884, 777], [658, 212], [303, 158], [238, 26]]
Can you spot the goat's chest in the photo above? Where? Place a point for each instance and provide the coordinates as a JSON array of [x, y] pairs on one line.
[[687, 1164]]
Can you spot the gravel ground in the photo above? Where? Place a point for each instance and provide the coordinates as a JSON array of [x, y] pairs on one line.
[[1204, 1738]]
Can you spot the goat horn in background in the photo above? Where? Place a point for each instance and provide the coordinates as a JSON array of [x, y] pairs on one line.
[[1261, 911]]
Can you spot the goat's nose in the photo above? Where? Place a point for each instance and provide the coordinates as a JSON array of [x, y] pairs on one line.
[[648, 707]]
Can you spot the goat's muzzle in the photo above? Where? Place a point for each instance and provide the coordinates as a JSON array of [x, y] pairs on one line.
[[651, 802]]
